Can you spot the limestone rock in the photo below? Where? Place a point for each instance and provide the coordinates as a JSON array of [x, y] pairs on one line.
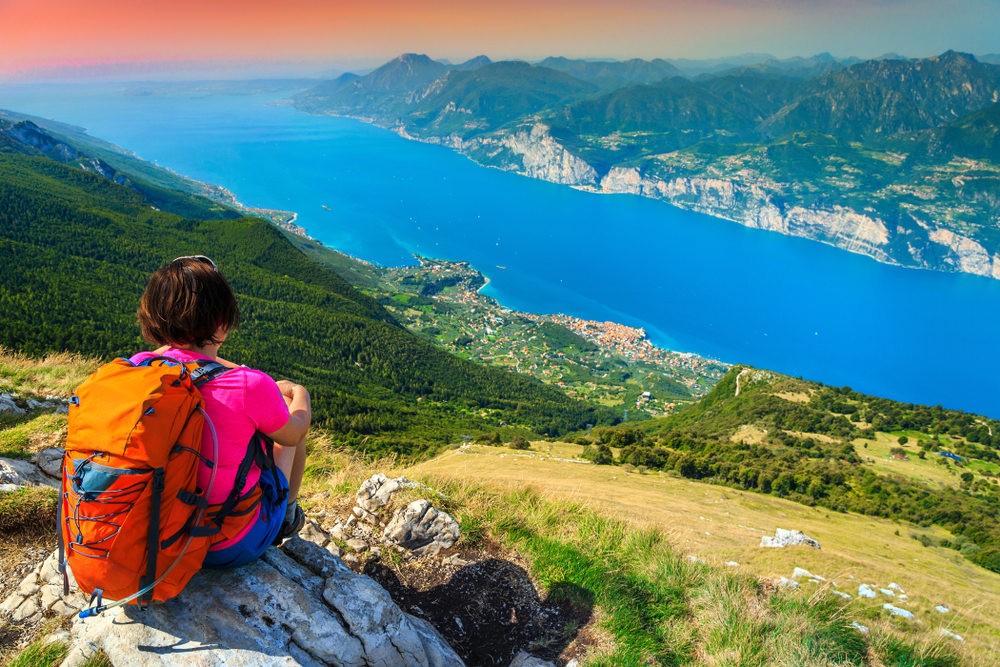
[[298, 606], [422, 529], [841, 594], [524, 659], [942, 609], [313, 532], [865, 591], [896, 611], [949, 633], [50, 461], [787, 538], [860, 628], [378, 490], [357, 545], [15, 473], [8, 406]]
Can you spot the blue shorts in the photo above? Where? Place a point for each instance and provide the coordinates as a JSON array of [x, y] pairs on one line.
[[263, 532]]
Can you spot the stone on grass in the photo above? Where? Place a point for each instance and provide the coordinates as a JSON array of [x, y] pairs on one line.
[[841, 594], [865, 591], [860, 628], [887, 592], [896, 611], [50, 461], [357, 545], [949, 633], [8, 407], [422, 529], [895, 586], [524, 659], [941, 608], [732, 563], [799, 572], [788, 538], [785, 582]]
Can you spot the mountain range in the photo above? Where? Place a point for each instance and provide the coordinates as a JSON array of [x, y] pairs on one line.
[[843, 151]]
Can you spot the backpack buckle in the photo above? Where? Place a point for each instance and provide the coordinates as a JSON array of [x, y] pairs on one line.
[[159, 479]]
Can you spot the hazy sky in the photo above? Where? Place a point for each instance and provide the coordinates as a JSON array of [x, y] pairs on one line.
[[340, 34]]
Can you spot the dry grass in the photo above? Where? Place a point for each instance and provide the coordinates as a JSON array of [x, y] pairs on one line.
[[56, 374], [718, 524]]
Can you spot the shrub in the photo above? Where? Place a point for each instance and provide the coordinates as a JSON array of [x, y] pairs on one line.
[[517, 442], [902, 440], [988, 558], [601, 454]]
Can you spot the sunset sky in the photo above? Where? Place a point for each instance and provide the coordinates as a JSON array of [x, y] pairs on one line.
[[308, 35]]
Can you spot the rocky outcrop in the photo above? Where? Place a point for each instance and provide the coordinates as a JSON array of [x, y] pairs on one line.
[[420, 528], [296, 606], [544, 158], [788, 538]]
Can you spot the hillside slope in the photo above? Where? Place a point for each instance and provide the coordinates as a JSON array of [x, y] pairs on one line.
[[77, 249]]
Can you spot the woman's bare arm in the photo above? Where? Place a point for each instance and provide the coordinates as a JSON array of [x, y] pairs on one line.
[[299, 415]]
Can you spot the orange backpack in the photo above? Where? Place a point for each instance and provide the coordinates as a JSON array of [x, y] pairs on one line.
[[133, 524]]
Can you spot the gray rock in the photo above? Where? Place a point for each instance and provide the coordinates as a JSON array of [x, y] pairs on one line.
[[337, 532], [729, 563], [785, 582], [865, 591], [15, 473], [942, 609], [43, 405], [788, 538], [50, 461], [11, 603], [295, 607], [313, 532], [456, 561], [841, 594], [896, 611], [523, 659], [334, 549], [421, 529], [949, 633], [26, 611], [860, 628], [887, 592], [357, 545], [378, 490], [8, 407]]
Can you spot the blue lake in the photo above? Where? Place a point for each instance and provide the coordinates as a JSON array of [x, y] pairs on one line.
[[696, 283]]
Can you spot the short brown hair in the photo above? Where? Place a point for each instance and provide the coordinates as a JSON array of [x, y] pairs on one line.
[[185, 303]]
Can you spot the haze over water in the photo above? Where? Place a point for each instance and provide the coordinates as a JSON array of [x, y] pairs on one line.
[[696, 283]]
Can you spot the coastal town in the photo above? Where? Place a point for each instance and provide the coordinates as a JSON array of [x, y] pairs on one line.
[[606, 363]]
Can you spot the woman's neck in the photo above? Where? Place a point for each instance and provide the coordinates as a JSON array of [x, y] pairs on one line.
[[210, 351]]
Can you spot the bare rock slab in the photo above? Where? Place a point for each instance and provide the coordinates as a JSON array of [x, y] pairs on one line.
[[378, 490], [294, 607]]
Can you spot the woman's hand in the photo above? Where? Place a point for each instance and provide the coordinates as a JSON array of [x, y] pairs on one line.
[[287, 388]]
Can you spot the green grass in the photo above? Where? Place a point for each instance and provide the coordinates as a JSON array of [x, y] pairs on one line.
[[41, 654], [28, 508], [16, 439]]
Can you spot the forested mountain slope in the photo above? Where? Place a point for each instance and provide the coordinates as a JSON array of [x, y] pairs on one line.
[[76, 249]]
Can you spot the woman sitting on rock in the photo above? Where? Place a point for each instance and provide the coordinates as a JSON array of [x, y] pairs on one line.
[[188, 308]]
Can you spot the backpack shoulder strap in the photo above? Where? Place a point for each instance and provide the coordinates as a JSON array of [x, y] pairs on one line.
[[207, 371]]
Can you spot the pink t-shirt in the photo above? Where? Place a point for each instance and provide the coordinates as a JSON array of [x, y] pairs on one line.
[[239, 402]]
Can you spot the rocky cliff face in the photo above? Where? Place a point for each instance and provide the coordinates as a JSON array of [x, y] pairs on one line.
[[753, 206]]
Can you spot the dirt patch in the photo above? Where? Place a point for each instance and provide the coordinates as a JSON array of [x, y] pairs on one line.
[[489, 609], [793, 396]]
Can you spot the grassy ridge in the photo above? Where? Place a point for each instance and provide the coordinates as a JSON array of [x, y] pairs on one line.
[[806, 442]]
